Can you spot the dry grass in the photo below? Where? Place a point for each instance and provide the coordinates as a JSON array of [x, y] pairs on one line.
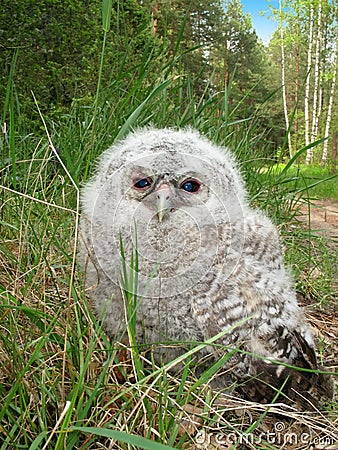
[[75, 363]]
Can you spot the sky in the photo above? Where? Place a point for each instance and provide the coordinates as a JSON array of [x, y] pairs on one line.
[[263, 26]]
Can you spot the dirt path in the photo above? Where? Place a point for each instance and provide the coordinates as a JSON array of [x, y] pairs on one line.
[[323, 219]]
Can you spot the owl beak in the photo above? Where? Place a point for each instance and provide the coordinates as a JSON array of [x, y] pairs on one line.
[[163, 201]]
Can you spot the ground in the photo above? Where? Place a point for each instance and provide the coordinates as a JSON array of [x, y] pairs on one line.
[[324, 218]]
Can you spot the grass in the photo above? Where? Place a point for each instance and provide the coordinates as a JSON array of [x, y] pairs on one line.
[[63, 385], [310, 252], [318, 181]]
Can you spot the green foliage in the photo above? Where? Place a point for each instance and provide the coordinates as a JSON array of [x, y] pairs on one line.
[[59, 43], [55, 42], [315, 180], [303, 34]]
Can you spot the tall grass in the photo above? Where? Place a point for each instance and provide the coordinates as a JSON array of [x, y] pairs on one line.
[[63, 385]]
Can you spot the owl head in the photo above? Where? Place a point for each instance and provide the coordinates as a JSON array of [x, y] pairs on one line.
[[160, 171], [176, 188]]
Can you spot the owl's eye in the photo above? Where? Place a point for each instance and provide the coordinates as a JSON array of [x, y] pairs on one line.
[[191, 185], [142, 183]]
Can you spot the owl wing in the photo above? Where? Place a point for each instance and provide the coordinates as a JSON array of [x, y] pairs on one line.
[[276, 346], [297, 382]]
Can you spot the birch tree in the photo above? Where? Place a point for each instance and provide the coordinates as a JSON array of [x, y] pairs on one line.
[[317, 73], [285, 105], [308, 136], [316, 105], [330, 108], [307, 87], [303, 46]]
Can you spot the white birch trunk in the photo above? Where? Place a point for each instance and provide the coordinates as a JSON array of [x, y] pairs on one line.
[[307, 87], [330, 108], [316, 105], [285, 105], [319, 109]]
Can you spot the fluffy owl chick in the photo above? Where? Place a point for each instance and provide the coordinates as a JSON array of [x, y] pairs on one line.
[[207, 263]]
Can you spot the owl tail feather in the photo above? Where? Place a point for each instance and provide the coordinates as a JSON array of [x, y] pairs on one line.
[[269, 382]]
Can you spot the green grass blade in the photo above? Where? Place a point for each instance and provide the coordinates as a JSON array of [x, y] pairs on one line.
[[137, 441], [106, 14], [298, 154], [132, 119], [10, 82], [37, 441]]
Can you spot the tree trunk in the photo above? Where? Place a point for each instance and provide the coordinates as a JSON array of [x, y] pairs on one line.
[[330, 108], [285, 105], [315, 118], [316, 91], [309, 153], [297, 82], [334, 153]]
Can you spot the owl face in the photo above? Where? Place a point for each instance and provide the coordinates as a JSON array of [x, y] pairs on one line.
[[163, 192], [178, 193], [165, 170]]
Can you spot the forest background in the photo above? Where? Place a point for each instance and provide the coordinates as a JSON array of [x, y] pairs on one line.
[[75, 77], [52, 48]]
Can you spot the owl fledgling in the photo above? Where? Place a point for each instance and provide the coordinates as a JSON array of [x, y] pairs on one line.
[[207, 261]]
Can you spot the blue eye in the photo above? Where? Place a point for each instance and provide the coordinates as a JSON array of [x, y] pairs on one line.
[[191, 185], [142, 183]]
